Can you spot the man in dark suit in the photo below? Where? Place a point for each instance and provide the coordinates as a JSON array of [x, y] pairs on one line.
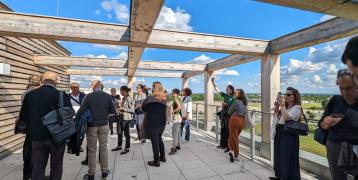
[[37, 103]]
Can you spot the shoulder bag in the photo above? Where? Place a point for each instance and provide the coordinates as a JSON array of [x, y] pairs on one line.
[[60, 121], [297, 127]]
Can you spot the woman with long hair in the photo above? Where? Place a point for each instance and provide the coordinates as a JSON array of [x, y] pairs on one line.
[[155, 120], [236, 112], [139, 114], [286, 144]]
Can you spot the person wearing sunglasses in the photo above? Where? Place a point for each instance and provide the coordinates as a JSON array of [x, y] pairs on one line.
[[286, 144], [333, 120], [139, 114]]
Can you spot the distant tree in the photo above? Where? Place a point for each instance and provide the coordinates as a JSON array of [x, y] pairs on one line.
[[324, 103], [311, 115]]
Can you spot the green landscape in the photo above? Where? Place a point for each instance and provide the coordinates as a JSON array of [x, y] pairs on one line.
[[313, 106]]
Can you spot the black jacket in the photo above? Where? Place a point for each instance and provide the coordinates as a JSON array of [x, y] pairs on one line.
[[100, 106], [37, 103], [155, 115]]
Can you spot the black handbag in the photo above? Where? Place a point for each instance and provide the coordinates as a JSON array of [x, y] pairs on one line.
[[348, 160], [60, 122], [320, 135], [297, 127]]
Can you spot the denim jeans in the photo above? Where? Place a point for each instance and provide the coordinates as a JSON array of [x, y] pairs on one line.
[[185, 124]]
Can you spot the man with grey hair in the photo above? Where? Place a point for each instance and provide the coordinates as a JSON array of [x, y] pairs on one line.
[[38, 103], [100, 106]]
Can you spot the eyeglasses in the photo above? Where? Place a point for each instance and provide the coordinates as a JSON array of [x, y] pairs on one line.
[[288, 95], [343, 72]]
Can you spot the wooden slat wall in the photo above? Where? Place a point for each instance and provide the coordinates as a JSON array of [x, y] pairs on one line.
[[18, 52]]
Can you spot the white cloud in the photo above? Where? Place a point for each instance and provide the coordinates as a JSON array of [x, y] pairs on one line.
[[203, 59], [93, 56], [226, 72], [195, 80], [122, 55], [332, 69], [120, 10], [229, 83], [296, 67], [331, 52], [97, 12], [317, 79], [326, 18], [140, 81], [109, 47], [171, 19]]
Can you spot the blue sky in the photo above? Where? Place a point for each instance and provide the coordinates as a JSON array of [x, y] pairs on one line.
[[311, 70]]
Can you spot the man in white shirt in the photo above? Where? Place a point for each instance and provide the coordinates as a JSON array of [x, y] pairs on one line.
[[76, 96]]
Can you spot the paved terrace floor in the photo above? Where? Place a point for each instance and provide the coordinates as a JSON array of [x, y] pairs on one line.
[[198, 159]]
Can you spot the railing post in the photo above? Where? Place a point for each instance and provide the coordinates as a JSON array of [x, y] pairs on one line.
[[217, 125], [252, 137], [197, 116]]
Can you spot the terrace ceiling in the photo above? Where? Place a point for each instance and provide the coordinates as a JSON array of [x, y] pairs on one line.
[[140, 35]]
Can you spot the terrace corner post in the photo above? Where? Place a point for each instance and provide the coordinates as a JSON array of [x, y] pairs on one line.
[[270, 86], [185, 83], [208, 101], [130, 83]]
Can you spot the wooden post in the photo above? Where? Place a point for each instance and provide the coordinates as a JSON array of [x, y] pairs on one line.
[[270, 86], [130, 84], [209, 101], [185, 83]]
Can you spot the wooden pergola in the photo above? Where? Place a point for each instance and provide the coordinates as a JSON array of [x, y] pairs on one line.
[[140, 35]]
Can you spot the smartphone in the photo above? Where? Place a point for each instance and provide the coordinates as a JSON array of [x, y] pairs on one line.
[[279, 94], [337, 115]]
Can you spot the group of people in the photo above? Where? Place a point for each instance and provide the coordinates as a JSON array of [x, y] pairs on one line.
[[149, 113]]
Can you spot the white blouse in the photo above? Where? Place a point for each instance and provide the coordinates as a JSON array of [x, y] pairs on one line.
[[294, 112]]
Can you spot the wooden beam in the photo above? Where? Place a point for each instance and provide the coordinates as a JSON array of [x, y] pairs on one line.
[[122, 72], [54, 28], [323, 32], [144, 14], [340, 8], [114, 63], [208, 100], [225, 62], [230, 61]]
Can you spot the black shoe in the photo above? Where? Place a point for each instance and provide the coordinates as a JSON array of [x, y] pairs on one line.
[[162, 159], [88, 177], [26, 177], [236, 156], [106, 173], [274, 178], [143, 141], [125, 151], [111, 132], [154, 163], [178, 147], [117, 149], [231, 157], [173, 151], [84, 162]]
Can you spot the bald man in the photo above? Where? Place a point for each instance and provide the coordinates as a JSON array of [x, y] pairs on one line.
[[38, 103], [100, 106]]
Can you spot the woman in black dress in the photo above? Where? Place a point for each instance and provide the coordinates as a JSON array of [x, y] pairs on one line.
[[286, 144]]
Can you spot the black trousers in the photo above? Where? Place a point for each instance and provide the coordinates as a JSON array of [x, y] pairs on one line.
[[157, 142], [124, 129], [224, 133], [111, 121], [286, 155], [26, 156], [41, 150]]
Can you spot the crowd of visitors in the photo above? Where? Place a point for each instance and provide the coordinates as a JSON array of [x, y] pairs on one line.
[[97, 112]]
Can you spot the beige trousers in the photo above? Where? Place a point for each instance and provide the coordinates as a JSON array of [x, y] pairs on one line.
[[100, 133]]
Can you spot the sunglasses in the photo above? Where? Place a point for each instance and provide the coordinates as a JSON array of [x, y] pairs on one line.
[[288, 95]]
